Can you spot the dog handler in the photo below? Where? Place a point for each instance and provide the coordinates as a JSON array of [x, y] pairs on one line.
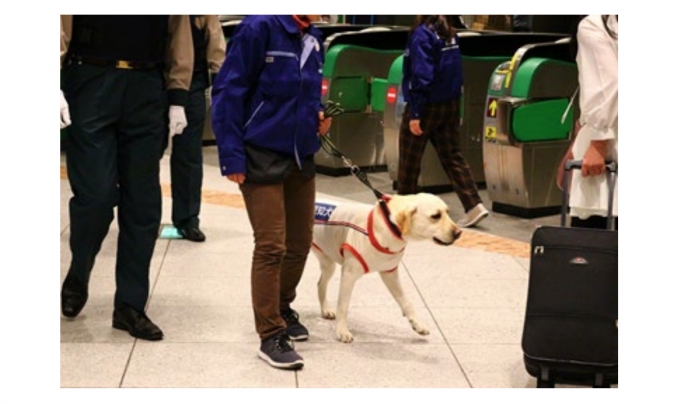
[[115, 91], [266, 115]]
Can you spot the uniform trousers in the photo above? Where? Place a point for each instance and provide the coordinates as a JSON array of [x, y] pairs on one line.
[[186, 159], [112, 161]]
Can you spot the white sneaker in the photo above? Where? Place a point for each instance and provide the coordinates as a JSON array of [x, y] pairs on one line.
[[474, 216]]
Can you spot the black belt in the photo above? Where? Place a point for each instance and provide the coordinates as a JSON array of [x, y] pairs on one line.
[[118, 64]]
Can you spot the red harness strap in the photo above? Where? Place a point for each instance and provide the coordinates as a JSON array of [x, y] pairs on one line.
[[358, 256], [374, 241]]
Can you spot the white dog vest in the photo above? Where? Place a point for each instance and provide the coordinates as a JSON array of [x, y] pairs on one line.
[[341, 229]]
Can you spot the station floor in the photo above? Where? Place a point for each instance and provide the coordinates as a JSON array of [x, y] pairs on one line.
[[471, 296]]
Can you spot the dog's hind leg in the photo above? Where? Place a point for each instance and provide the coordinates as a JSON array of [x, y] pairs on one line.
[[348, 278], [391, 280], [327, 267]]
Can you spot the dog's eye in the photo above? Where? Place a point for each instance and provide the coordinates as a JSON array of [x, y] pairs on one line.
[[436, 216]]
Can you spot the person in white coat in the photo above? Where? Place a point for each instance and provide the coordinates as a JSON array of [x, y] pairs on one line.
[[597, 140]]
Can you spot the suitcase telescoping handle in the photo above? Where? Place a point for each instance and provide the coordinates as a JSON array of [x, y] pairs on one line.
[[569, 165]]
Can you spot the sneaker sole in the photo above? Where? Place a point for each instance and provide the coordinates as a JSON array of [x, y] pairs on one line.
[[289, 366], [298, 338], [476, 220]]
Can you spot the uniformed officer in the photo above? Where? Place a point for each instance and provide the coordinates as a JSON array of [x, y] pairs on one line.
[[186, 159], [117, 94]]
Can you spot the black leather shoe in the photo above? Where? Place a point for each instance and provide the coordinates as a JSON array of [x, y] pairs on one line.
[[192, 233], [73, 296], [136, 323]]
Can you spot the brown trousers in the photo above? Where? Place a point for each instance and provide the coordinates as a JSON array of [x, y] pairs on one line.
[[440, 124], [282, 219]]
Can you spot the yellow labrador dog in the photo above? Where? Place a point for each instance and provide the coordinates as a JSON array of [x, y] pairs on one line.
[[371, 238]]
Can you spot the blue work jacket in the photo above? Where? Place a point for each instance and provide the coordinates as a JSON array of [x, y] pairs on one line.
[[433, 70], [268, 91]]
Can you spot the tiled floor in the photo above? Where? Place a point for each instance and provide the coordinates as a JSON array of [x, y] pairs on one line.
[[470, 295]]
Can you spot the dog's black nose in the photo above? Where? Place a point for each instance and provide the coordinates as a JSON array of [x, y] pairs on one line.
[[456, 234]]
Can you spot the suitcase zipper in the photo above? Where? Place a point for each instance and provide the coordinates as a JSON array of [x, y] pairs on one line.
[[540, 249]]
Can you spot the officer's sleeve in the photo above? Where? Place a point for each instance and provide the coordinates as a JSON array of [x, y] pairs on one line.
[[179, 59], [66, 25], [322, 52], [233, 85], [217, 45]]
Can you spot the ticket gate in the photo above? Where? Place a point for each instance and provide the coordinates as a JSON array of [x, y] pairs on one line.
[[482, 52], [355, 76], [528, 126]]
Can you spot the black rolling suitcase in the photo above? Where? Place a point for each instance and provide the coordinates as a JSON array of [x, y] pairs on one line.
[[570, 330]]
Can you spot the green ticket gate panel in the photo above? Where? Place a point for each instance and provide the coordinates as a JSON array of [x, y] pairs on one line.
[[528, 127], [482, 53], [355, 76]]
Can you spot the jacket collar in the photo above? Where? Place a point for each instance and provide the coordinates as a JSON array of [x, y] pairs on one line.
[[288, 23], [291, 27]]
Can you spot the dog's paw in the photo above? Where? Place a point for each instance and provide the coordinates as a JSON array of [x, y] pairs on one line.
[[328, 314], [344, 335], [419, 328], [422, 331]]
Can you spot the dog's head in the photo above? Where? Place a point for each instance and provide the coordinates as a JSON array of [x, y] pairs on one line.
[[423, 216]]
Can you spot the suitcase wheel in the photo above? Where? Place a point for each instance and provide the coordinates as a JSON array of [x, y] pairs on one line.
[[545, 384]]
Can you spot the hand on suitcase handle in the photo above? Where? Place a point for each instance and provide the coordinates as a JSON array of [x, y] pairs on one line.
[[571, 164], [611, 168]]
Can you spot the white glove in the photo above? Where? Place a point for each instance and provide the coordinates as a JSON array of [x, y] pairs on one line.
[[65, 115], [178, 120]]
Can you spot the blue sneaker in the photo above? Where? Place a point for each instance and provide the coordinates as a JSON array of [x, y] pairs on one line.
[[295, 330], [279, 353]]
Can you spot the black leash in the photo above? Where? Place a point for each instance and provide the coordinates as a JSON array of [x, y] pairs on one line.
[[333, 109], [330, 148]]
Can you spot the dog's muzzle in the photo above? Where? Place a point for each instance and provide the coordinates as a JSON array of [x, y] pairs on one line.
[[455, 235]]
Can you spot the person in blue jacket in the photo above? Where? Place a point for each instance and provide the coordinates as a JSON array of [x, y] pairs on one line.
[[432, 85], [267, 116]]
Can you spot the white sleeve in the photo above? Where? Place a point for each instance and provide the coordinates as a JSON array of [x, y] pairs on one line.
[[597, 60]]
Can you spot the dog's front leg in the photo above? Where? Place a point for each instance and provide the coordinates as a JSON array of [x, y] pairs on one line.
[[327, 267], [349, 276], [391, 280]]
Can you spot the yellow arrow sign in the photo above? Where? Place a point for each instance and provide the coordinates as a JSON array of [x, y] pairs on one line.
[[492, 109]]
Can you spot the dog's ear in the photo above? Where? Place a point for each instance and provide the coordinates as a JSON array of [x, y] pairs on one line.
[[404, 219]]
